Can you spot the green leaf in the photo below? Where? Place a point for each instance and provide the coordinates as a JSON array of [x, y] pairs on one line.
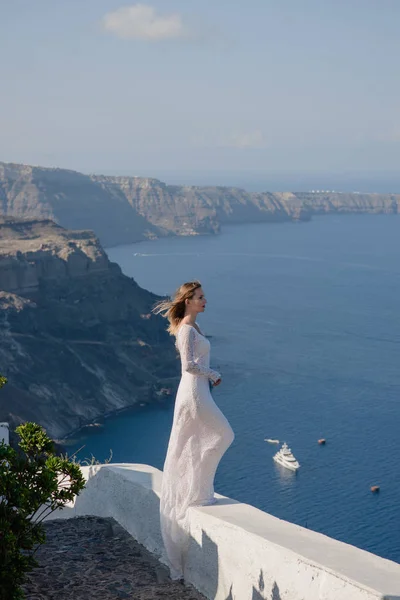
[[33, 483]]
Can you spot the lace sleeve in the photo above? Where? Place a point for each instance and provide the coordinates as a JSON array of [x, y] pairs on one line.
[[187, 345]]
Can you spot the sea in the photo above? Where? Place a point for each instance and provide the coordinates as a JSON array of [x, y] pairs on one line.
[[304, 324]]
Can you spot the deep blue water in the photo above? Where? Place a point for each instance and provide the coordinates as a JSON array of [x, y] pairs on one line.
[[305, 328]]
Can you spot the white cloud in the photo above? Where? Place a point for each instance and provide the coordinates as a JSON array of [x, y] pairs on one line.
[[250, 139], [142, 22]]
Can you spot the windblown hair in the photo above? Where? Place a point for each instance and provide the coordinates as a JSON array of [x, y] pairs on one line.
[[174, 309]]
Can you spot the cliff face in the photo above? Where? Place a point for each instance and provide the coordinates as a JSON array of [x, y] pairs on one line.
[[71, 199], [321, 203], [167, 208], [77, 337], [129, 209], [190, 210], [34, 251]]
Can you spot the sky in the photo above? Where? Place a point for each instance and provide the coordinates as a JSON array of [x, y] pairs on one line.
[[202, 88]]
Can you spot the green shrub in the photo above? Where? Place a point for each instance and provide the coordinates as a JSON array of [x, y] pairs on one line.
[[33, 483]]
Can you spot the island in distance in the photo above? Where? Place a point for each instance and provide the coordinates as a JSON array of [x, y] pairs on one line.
[[123, 210]]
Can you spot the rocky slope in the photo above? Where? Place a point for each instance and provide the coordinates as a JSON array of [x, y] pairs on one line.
[[77, 338], [129, 209]]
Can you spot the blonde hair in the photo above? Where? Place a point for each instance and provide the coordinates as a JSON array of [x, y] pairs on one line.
[[174, 309]]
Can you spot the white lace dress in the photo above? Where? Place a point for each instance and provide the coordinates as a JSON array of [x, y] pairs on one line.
[[199, 438]]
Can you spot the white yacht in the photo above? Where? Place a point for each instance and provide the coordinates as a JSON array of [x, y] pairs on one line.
[[285, 458]]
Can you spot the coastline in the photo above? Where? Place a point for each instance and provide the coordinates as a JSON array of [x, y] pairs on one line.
[[220, 231], [98, 423]]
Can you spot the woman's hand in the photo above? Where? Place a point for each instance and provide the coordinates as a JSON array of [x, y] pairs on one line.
[[217, 382]]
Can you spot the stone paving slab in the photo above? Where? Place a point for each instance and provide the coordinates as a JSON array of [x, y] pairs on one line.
[[90, 558]]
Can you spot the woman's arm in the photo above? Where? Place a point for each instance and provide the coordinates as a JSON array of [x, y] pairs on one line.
[[187, 346]]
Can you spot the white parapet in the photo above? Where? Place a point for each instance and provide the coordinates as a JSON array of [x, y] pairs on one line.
[[238, 552], [4, 433]]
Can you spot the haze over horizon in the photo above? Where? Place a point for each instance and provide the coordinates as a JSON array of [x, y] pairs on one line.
[[260, 95]]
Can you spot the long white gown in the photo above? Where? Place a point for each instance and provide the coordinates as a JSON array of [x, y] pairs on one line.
[[199, 438]]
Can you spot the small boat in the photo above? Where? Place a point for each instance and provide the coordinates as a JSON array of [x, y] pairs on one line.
[[285, 458], [375, 488], [322, 441], [271, 441]]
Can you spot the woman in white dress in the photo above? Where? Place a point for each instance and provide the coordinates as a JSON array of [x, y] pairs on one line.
[[200, 433]]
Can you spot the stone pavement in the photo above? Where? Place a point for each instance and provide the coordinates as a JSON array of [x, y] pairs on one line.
[[89, 558]]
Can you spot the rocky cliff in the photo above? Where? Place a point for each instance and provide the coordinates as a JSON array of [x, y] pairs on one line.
[[77, 337], [73, 200], [129, 209], [334, 202]]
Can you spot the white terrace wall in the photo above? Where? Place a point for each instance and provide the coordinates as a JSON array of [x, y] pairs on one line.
[[238, 552]]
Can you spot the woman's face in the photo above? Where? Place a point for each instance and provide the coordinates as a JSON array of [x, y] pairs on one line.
[[198, 303]]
